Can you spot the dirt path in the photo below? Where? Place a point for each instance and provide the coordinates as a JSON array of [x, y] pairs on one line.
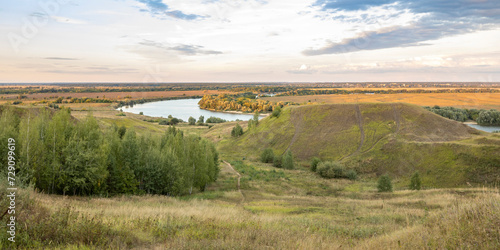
[[396, 118], [297, 124], [239, 177], [359, 118]]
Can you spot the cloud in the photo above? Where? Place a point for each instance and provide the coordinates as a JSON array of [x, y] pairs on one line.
[[437, 19], [158, 9], [303, 69], [182, 49], [60, 58]]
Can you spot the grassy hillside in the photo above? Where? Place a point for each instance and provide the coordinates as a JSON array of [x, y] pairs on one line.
[[375, 139]]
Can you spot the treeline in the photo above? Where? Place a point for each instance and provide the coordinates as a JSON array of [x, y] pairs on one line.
[[481, 116], [60, 155], [242, 102], [300, 92]]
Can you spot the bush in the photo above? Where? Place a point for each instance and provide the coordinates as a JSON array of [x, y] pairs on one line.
[[267, 155], [276, 112], [352, 174], [237, 131], [314, 163], [191, 121], [141, 113], [213, 119], [277, 161], [330, 169], [288, 160], [415, 182], [384, 184]]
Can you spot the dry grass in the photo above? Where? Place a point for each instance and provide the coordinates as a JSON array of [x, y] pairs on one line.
[[459, 100]]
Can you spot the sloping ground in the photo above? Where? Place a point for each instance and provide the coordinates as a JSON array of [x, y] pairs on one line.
[[341, 131], [376, 139]]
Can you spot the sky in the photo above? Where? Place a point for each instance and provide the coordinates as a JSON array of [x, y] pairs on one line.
[[44, 41]]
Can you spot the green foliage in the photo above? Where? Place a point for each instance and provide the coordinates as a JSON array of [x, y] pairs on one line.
[[351, 174], [267, 155], [60, 156], [489, 117], [314, 163], [191, 121], [333, 169], [415, 182], [384, 184], [170, 121], [121, 114], [276, 112], [237, 131], [288, 160], [201, 120], [213, 119], [278, 161], [141, 113]]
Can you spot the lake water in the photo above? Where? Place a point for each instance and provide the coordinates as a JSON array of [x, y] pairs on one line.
[[484, 128], [183, 109]]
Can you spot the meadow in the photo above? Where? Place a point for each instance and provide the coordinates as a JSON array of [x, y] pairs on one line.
[[459, 100]]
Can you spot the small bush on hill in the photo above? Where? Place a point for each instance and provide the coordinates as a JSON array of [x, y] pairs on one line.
[[332, 169], [276, 112], [237, 131], [213, 119], [415, 183], [277, 161], [288, 160], [384, 184], [267, 155], [191, 121], [314, 163]]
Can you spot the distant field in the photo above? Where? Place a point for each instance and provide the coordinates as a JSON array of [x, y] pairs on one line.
[[117, 95], [460, 100]]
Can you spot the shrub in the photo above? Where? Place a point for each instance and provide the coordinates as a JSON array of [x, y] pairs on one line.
[[237, 131], [384, 184], [288, 160], [415, 182], [332, 169], [352, 174], [141, 113], [267, 155], [276, 112], [213, 119], [314, 163], [121, 114], [191, 121], [277, 161]]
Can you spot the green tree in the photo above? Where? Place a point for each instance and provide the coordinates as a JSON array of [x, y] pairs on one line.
[[191, 121], [201, 120], [267, 155], [288, 160], [278, 161], [237, 131], [415, 182], [384, 184], [276, 111], [314, 163]]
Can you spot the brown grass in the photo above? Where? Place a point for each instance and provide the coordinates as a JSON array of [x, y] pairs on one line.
[[459, 100]]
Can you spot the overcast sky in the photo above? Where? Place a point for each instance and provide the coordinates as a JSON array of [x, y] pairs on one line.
[[249, 40]]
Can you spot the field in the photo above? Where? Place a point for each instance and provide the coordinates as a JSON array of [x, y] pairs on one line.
[[275, 209], [115, 95], [459, 100]]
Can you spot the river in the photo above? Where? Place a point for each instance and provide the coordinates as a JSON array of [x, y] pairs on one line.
[[183, 109]]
